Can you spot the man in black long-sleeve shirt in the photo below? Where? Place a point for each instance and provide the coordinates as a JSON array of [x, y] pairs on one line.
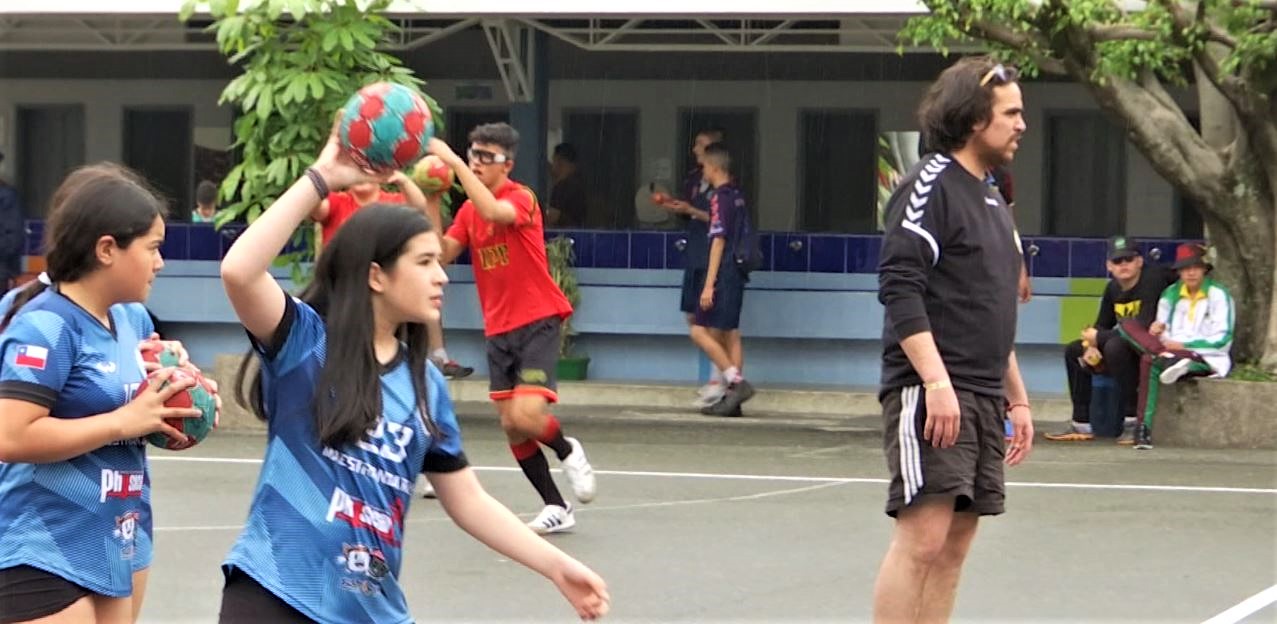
[[1131, 294], [948, 278]]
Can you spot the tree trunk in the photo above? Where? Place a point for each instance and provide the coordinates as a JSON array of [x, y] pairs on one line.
[[1240, 220], [1244, 263]]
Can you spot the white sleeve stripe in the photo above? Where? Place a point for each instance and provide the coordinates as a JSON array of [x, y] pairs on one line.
[[931, 240]]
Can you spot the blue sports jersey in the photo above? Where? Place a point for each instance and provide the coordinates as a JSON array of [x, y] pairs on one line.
[[86, 519], [325, 530]]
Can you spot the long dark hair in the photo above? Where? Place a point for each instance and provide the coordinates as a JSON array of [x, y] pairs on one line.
[[960, 99], [347, 399], [93, 201]]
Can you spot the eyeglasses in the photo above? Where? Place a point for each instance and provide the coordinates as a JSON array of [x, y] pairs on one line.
[[1003, 73], [485, 157], [1123, 260]]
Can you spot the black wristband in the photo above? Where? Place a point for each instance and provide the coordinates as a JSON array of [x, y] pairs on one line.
[[321, 186]]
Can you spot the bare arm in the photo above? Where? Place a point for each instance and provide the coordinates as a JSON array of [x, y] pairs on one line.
[[487, 205], [451, 249], [490, 522], [320, 213], [716, 247], [1020, 413], [411, 191], [28, 434], [252, 290]]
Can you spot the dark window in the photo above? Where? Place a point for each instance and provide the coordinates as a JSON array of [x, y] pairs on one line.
[[837, 151], [158, 144], [606, 143], [1086, 175], [50, 143]]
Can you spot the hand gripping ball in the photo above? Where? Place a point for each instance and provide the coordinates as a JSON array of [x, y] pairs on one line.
[[432, 175], [385, 126], [199, 396]]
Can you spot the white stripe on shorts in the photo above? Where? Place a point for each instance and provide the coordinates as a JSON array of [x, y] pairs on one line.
[[907, 438]]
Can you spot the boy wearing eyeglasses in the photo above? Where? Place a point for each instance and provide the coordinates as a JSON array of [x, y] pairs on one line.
[[523, 311], [1131, 294]]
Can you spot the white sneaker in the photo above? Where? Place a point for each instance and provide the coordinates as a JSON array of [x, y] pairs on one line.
[[424, 487], [1176, 371], [553, 519], [710, 393], [579, 473]]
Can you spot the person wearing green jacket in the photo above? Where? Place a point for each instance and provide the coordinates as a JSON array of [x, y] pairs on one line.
[[1195, 318]]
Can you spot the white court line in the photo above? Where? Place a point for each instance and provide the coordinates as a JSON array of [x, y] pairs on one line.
[[1246, 607], [529, 515], [803, 479]]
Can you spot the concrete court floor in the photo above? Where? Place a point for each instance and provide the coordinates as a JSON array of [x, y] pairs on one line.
[[778, 519]]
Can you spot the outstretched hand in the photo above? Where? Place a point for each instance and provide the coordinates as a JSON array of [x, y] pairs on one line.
[[585, 589]]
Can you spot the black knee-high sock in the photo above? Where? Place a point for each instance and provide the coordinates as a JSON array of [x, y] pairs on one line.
[[537, 470], [553, 438]]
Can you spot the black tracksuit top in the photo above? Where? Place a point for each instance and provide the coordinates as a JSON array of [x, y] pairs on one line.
[[949, 265]]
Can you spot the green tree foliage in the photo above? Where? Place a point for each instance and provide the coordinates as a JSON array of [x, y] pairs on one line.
[[301, 61], [1133, 56]]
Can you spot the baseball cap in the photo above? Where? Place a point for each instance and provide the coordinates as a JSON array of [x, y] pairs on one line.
[[1121, 247]]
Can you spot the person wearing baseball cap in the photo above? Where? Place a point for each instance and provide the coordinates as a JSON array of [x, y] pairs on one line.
[[1132, 293]]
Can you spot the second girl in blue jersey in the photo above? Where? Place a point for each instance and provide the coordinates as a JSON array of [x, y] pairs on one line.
[[75, 510]]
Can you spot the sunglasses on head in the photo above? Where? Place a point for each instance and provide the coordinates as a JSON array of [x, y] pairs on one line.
[[1003, 73], [485, 157]]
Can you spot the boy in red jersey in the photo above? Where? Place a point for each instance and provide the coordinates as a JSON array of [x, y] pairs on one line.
[[523, 311]]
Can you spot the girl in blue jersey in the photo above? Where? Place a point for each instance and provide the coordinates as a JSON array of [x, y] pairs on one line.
[[75, 513], [354, 412]]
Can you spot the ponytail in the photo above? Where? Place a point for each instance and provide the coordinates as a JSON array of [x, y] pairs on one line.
[[28, 292]]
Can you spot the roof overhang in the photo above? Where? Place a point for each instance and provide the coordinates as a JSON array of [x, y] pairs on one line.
[[616, 25]]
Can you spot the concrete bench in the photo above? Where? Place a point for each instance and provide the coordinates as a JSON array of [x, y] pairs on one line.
[[1217, 413]]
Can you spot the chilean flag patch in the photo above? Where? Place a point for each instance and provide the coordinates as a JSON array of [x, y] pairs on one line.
[[32, 356]]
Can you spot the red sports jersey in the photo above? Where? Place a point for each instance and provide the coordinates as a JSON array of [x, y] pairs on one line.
[[510, 269], [342, 204]]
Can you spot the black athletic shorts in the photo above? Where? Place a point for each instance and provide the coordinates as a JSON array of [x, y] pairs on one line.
[[524, 360], [689, 300], [245, 601], [729, 299], [970, 471], [28, 593]]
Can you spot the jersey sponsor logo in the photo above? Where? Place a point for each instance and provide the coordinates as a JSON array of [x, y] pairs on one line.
[[106, 368], [363, 468], [1128, 310], [360, 515], [367, 565], [121, 484], [31, 356], [126, 532], [494, 256]]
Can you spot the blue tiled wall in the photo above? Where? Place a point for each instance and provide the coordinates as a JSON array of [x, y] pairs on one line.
[[782, 251]]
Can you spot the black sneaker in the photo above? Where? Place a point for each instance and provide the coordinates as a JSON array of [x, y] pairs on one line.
[[737, 393], [453, 370], [1143, 437]]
